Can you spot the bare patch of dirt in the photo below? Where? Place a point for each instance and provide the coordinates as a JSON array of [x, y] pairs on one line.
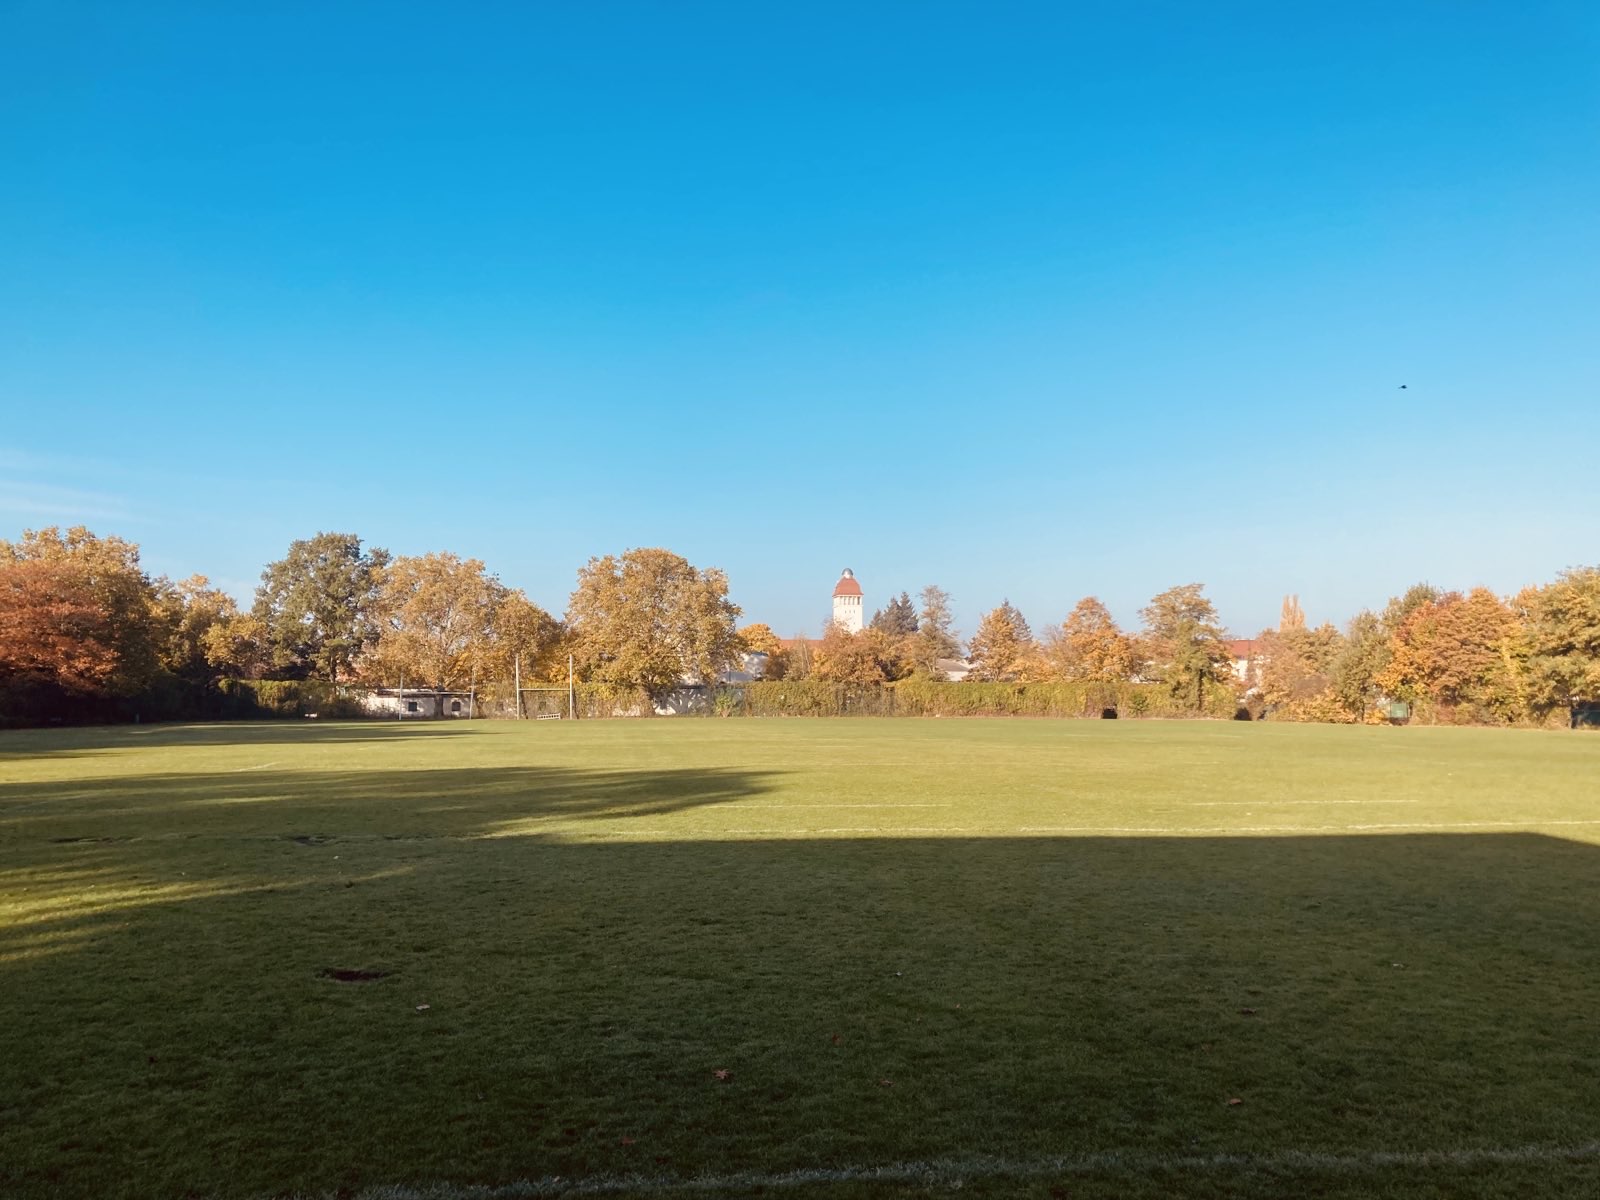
[[351, 974]]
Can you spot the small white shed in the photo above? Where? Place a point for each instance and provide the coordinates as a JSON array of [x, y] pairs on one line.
[[417, 703]]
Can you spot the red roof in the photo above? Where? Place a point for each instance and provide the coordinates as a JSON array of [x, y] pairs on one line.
[[847, 585], [1242, 647]]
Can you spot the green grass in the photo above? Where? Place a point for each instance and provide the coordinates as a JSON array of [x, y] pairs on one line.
[[1009, 956]]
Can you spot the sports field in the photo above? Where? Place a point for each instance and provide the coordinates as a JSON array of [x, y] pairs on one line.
[[806, 958]]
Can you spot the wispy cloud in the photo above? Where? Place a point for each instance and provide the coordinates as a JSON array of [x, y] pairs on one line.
[[31, 498], [18, 465]]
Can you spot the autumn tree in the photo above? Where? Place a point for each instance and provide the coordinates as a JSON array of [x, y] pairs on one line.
[[897, 619], [318, 604], [859, 658], [759, 639], [239, 646], [1185, 641], [1458, 651], [435, 615], [187, 613], [1001, 647], [56, 640], [1297, 663], [649, 619], [1400, 608], [1354, 673], [935, 638], [522, 632], [1291, 615], [102, 573], [1089, 645], [794, 660], [1562, 639]]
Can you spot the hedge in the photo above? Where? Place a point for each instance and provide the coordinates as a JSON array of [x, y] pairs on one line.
[[243, 698], [932, 698]]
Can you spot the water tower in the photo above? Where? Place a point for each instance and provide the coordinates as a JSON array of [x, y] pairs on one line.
[[847, 602]]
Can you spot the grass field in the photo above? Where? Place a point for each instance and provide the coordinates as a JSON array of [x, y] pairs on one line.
[[810, 958]]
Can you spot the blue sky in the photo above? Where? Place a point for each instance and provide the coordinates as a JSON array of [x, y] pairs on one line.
[[1031, 301]]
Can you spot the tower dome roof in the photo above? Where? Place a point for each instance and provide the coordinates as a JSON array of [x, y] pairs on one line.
[[847, 585]]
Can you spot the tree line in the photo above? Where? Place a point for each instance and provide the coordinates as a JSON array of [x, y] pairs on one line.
[[1459, 657], [1181, 645], [87, 634]]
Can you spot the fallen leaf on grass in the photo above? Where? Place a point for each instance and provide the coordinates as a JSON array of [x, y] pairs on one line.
[[1247, 1012], [722, 1074], [627, 1141], [885, 1083], [424, 1007], [838, 1039], [1234, 1101]]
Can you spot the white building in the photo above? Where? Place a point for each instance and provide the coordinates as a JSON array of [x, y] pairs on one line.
[[415, 702], [847, 610]]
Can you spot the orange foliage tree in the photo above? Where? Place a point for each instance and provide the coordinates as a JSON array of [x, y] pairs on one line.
[[54, 632], [1088, 645], [95, 573], [1459, 653], [1003, 647], [862, 658]]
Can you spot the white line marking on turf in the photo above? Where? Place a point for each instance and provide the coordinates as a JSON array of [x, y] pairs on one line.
[[781, 806], [1271, 803], [1529, 826], [1532, 825], [257, 767], [955, 1171]]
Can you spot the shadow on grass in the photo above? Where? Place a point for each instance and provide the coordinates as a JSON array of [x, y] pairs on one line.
[[167, 1023], [463, 802], [81, 741]]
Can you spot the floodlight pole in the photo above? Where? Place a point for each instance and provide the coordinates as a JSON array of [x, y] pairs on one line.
[[400, 707], [517, 676], [571, 706]]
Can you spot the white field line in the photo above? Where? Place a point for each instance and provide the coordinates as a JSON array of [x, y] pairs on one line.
[[781, 807], [1274, 803], [257, 767], [801, 831], [953, 1172], [1529, 826], [1372, 827]]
